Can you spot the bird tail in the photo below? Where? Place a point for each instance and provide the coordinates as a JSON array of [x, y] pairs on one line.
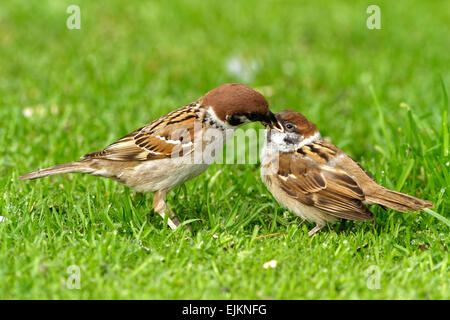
[[77, 166], [397, 200]]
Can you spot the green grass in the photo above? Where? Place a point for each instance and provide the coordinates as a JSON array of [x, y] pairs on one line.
[[377, 94]]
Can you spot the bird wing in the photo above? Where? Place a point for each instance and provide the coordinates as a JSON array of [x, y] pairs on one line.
[[171, 135], [324, 187]]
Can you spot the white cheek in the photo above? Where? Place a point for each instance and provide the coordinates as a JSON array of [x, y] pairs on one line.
[[219, 122], [277, 138], [277, 143]]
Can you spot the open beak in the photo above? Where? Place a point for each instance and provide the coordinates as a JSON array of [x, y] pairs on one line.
[[271, 122]]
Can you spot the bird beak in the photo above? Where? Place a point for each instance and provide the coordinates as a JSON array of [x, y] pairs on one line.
[[271, 122]]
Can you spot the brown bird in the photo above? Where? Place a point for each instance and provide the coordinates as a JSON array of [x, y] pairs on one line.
[[319, 182], [171, 150]]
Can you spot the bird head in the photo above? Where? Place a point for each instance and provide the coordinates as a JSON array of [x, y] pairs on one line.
[[293, 131], [236, 104]]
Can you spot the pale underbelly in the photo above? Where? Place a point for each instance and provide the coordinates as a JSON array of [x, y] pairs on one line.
[[162, 174]]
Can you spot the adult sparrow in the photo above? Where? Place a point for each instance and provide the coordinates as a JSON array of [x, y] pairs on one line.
[[319, 182], [170, 150]]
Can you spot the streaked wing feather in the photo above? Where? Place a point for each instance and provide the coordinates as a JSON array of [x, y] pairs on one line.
[[328, 189], [160, 139]]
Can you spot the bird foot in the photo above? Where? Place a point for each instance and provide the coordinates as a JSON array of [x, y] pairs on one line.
[[315, 229], [173, 224], [176, 221]]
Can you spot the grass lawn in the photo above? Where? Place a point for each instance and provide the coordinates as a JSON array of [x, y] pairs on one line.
[[380, 95]]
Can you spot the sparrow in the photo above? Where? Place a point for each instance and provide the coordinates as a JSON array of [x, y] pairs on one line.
[[318, 181], [168, 151]]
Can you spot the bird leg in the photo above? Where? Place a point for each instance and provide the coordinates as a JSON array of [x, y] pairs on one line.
[[315, 229], [160, 206], [172, 215]]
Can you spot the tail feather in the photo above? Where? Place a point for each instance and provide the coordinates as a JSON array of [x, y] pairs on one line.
[[77, 166], [397, 200]]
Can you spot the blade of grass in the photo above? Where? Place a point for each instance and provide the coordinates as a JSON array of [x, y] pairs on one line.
[[387, 137], [444, 125], [438, 216], [405, 173]]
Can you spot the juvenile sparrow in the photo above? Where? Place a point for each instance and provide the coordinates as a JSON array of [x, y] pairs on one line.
[[319, 182], [169, 151]]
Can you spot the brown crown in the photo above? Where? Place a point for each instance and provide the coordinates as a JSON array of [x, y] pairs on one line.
[[303, 126], [234, 98]]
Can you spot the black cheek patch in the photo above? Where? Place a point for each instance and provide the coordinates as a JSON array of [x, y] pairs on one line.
[[288, 140], [235, 120]]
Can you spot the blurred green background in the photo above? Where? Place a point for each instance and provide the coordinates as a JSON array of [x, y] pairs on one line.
[[377, 94]]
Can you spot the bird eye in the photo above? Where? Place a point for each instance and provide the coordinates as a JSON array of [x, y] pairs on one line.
[[289, 126], [235, 120]]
